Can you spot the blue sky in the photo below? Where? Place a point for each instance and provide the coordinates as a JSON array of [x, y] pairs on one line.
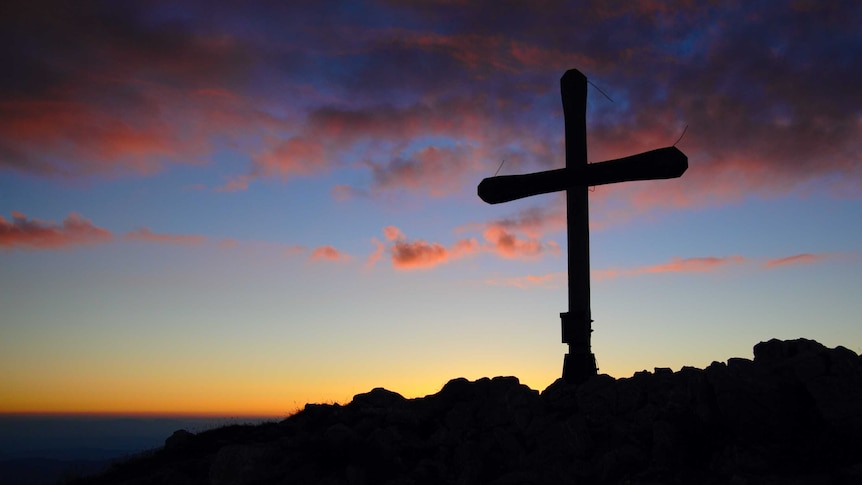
[[238, 209]]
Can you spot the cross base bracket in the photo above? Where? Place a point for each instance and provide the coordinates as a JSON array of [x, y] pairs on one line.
[[580, 363]]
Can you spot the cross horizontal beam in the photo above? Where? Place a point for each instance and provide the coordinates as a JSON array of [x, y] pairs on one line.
[[663, 163]]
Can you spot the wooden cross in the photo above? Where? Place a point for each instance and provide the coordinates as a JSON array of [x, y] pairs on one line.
[[580, 363]]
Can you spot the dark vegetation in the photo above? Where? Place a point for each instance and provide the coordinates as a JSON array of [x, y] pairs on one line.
[[792, 415]]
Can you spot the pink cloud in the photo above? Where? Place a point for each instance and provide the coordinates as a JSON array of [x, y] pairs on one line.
[[295, 156], [163, 125], [328, 253], [23, 233], [804, 258], [392, 233], [509, 246], [419, 254], [519, 236], [87, 138], [146, 235], [422, 254]]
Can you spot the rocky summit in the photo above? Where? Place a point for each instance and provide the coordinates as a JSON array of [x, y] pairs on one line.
[[791, 415]]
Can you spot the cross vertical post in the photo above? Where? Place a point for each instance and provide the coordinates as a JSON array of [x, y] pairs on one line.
[[579, 363], [575, 179]]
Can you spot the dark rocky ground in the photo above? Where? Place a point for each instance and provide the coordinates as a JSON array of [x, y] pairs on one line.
[[792, 415]]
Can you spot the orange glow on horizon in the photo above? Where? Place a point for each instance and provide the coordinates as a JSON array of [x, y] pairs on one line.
[[233, 399]]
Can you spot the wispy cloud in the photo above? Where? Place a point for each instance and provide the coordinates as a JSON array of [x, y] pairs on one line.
[[705, 264], [228, 243], [675, 265], [549, 280], [804, 258], [23, 233], [437, 171], [236, 183], [377, 254], [146, 235]]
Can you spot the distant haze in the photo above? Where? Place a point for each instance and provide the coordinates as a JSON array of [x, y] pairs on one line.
[[94, 437]]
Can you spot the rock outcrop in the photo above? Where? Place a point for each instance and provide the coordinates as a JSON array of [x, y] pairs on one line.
[[791, 415]]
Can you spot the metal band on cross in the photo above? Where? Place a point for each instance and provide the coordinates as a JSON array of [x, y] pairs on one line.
[[580, 363]]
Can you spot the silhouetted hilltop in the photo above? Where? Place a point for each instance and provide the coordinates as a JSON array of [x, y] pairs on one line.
[[792, 415]]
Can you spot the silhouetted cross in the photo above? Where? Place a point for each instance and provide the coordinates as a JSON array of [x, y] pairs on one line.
[[580, 363]]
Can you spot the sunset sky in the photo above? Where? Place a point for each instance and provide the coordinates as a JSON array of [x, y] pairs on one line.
[[236, 208]]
